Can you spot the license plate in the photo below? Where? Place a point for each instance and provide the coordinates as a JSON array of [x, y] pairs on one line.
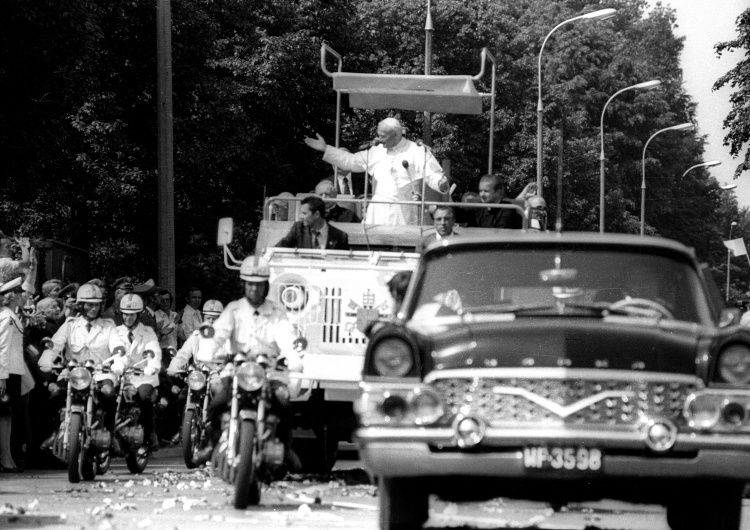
[[562, 458]]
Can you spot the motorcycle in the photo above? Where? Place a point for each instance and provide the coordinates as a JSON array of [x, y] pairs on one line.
[[130, 440], [83, 440], [195, 417], [249, 451]]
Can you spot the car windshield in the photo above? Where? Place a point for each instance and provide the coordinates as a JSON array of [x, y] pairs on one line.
[[582, 281]]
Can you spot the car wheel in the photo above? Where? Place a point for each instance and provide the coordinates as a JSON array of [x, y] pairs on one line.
[[403, 503], [708, 507]]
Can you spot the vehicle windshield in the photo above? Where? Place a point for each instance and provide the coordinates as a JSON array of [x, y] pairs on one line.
[[575, 281]]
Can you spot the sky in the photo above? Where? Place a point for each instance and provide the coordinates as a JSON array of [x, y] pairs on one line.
[[704, 23]]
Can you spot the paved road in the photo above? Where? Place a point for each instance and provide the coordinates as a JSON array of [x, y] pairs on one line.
[[169, 497]]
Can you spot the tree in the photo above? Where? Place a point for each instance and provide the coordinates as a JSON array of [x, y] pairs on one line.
[[738, 120]]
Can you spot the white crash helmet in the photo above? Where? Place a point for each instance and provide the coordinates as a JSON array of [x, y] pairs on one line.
[[254, 269], [89, 292], [131, 303], [213, 307]]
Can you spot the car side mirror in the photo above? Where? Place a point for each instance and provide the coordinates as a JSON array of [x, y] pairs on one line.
[[729, 316], [225, 231]]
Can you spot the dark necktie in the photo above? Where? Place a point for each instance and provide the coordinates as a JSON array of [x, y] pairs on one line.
[[314, 238], [345, 187], [130, 336], [88, 327], [256, 315]]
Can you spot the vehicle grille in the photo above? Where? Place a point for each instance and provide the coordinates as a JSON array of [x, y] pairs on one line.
[[486, 398], [334, 331]]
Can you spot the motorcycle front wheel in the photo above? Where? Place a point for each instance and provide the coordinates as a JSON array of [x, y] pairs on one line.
[[246, 485], [190, 434], [137, 460], [74, 448]]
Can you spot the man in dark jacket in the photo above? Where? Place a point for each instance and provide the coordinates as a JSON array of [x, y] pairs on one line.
[[491, 191], [334, 212], [312, 230]]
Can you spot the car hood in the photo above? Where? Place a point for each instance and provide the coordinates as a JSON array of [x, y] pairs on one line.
[[623, 344]]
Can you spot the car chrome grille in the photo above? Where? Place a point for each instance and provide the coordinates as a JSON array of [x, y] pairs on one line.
[[570, 401]]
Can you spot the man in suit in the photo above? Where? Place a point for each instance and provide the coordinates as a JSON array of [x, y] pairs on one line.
[[334, 212], [491, 191], [312, 230], [444, 218], [345, 182]]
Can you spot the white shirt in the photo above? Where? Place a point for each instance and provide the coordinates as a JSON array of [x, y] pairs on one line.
[[11, 344], [268, 332], [344, 178], [191, 320], [79, 343], [392, 181], [144, 339], [194, 346]]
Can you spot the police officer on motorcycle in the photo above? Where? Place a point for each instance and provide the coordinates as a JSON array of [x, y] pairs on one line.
[[252, 325], [137, 339], [211, 311]]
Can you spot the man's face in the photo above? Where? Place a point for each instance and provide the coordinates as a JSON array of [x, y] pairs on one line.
[[91, 310], [256, 292], [487, 192], [55, 291], [130, 319], [209, 318], [195, 298], [307, 216], [388, 137], [444, 222], [165, 303], [326, 190]]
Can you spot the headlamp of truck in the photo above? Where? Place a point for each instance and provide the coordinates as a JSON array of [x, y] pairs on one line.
[[250, 377], [392, 357], [79, 378], [196, 380], [734, 365], [703, 411]]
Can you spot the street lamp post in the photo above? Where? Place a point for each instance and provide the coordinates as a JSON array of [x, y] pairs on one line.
[[602, 14], [640, 86], [729, 256], [680, 127], [704, 164]]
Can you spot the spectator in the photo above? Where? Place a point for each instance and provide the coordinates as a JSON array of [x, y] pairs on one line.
[[166, 320], [491, 191], [68, 296], [147, 292], [280, 207], [12, 367], [444, 219], [10, 268], [396, 165], [313, 231], [397, 286], [51, 288], [344, 182], [189, 318], [334, 212], [122, 286]]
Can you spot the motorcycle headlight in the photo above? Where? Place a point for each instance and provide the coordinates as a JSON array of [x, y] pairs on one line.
[[79, 378], [196, 380], [250, 377], [734, 365], [393, 357]]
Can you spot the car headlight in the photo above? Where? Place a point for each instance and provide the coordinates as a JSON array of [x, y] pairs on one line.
[[703, 411], [250, 377], [79, 378], [196, 380], [734, 365], [393, 357]]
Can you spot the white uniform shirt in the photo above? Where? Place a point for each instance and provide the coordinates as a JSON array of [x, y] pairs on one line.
[[79, 343], [192, 349], [144, 339], [392, 181], [11, 344], [262, 330]]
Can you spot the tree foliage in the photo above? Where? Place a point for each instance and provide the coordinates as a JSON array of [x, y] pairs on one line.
[[79, 127]]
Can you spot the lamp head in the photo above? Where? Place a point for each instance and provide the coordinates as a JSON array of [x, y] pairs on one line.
[[648, 85], [734, 223], [729, 187], [713, 163], [683, 127], [602, 14]]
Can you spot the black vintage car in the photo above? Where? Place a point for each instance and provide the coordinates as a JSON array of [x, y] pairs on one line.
[[560, 367]]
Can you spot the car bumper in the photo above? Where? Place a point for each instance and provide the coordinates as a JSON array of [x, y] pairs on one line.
[[417, 452]]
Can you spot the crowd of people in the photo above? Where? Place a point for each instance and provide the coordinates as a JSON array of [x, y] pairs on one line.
[[41, 331]]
